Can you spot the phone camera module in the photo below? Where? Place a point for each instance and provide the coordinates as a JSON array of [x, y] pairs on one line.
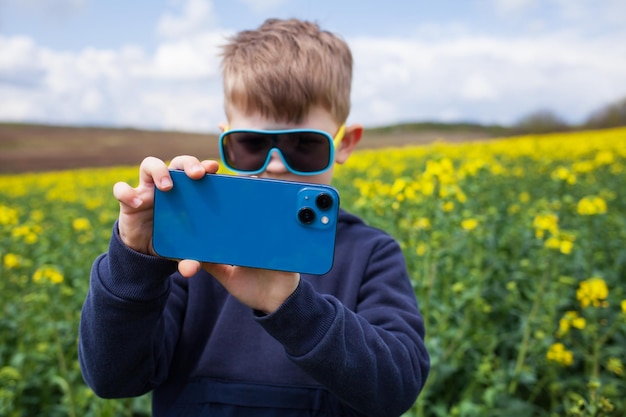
[[324, 201], [306, 215]]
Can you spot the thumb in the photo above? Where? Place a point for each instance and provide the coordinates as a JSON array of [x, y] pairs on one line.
[[126, 195], [188, 268]]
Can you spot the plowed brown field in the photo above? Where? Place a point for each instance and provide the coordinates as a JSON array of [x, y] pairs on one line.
[[26, 148]]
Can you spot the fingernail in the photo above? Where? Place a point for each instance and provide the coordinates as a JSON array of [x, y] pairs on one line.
[[166, 182], [136, 202]]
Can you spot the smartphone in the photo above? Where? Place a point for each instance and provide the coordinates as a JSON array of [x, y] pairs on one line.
[[246, 221]]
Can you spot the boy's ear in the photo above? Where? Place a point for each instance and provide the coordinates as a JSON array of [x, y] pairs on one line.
[[351, 138]]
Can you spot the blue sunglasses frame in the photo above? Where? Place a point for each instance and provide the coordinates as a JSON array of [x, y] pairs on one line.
[[333, 143]]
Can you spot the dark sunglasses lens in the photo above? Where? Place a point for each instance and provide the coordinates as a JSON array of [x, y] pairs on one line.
[[306, 151], [246, 151], [303, 151]]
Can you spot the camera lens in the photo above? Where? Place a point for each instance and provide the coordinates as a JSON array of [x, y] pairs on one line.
[[306, 215], [324, 201]]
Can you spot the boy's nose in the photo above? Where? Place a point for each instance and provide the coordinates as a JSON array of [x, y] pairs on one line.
[[276, 164]]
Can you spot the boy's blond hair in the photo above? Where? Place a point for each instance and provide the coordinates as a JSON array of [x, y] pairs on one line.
[[286, 67]]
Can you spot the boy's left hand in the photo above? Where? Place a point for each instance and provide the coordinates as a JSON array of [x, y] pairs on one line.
[[260, 289]]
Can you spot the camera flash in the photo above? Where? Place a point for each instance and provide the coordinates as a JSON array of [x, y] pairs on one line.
[[325, 219]]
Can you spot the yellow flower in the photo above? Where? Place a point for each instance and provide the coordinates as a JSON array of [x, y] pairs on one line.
[[31, 238], [410, 192], [592, 291], [11, 261], [398, 186], [583, 167], [624, 306], [423, 223], [20, 231], [589, 206], [8, 373], [579, 323], [552, 243], [513, 209], [524, 197], [48, 273], [563, 243], [81, 224], [616, 366], [460, 196], [546, 222], [469, 224], [427, 187], [36, 215], [604, 158], [458, 287], [93, 203], [566, 247], [421, 249], [559, 354], [448, 206], [571, 319], [28, 233], [563, 174], [8, 216]]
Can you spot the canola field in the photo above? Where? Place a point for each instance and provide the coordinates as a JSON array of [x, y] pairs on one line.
[[516, 249]]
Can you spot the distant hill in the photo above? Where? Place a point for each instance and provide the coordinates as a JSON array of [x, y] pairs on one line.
[[26, 147], [31, 147], [467, 127]]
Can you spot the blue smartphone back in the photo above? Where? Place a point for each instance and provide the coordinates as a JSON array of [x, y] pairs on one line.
[[253, 222]]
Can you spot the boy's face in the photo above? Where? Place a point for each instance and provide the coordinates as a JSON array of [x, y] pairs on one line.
[[318, 119]]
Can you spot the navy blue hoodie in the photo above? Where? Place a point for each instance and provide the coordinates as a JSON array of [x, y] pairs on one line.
[[348, 343]]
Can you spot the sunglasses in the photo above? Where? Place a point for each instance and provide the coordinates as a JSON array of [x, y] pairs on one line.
[[303, 151]]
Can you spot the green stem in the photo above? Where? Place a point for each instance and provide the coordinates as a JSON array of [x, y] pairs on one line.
[[64, 372], [521, 356], [594, 380]]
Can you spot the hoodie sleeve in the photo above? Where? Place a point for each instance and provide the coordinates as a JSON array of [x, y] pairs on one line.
[[374, 358], [124, 350]]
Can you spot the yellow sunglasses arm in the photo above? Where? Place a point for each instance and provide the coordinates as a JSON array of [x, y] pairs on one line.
[[339, 136]]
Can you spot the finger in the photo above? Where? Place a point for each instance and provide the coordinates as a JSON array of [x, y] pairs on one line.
[[219, 271], [188, 268], [127, 195], [153, 171], [190, 164], [210, 166]]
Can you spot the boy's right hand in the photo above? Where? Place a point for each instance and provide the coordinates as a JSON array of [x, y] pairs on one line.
[[136, 204]]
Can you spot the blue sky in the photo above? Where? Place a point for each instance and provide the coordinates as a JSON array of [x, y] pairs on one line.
[[153, 63]]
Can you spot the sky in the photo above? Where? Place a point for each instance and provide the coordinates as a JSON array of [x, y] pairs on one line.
[[154, 64]]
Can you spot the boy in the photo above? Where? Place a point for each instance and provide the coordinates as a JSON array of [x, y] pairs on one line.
[[221, 340]]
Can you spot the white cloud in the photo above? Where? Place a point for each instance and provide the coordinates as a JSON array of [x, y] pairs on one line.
[[178, 87], [477, 87], [186, 109], [17, 53], [188, 58], [91, 101], [452, 73], [15, 104], [486, 79], [196, 16]]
